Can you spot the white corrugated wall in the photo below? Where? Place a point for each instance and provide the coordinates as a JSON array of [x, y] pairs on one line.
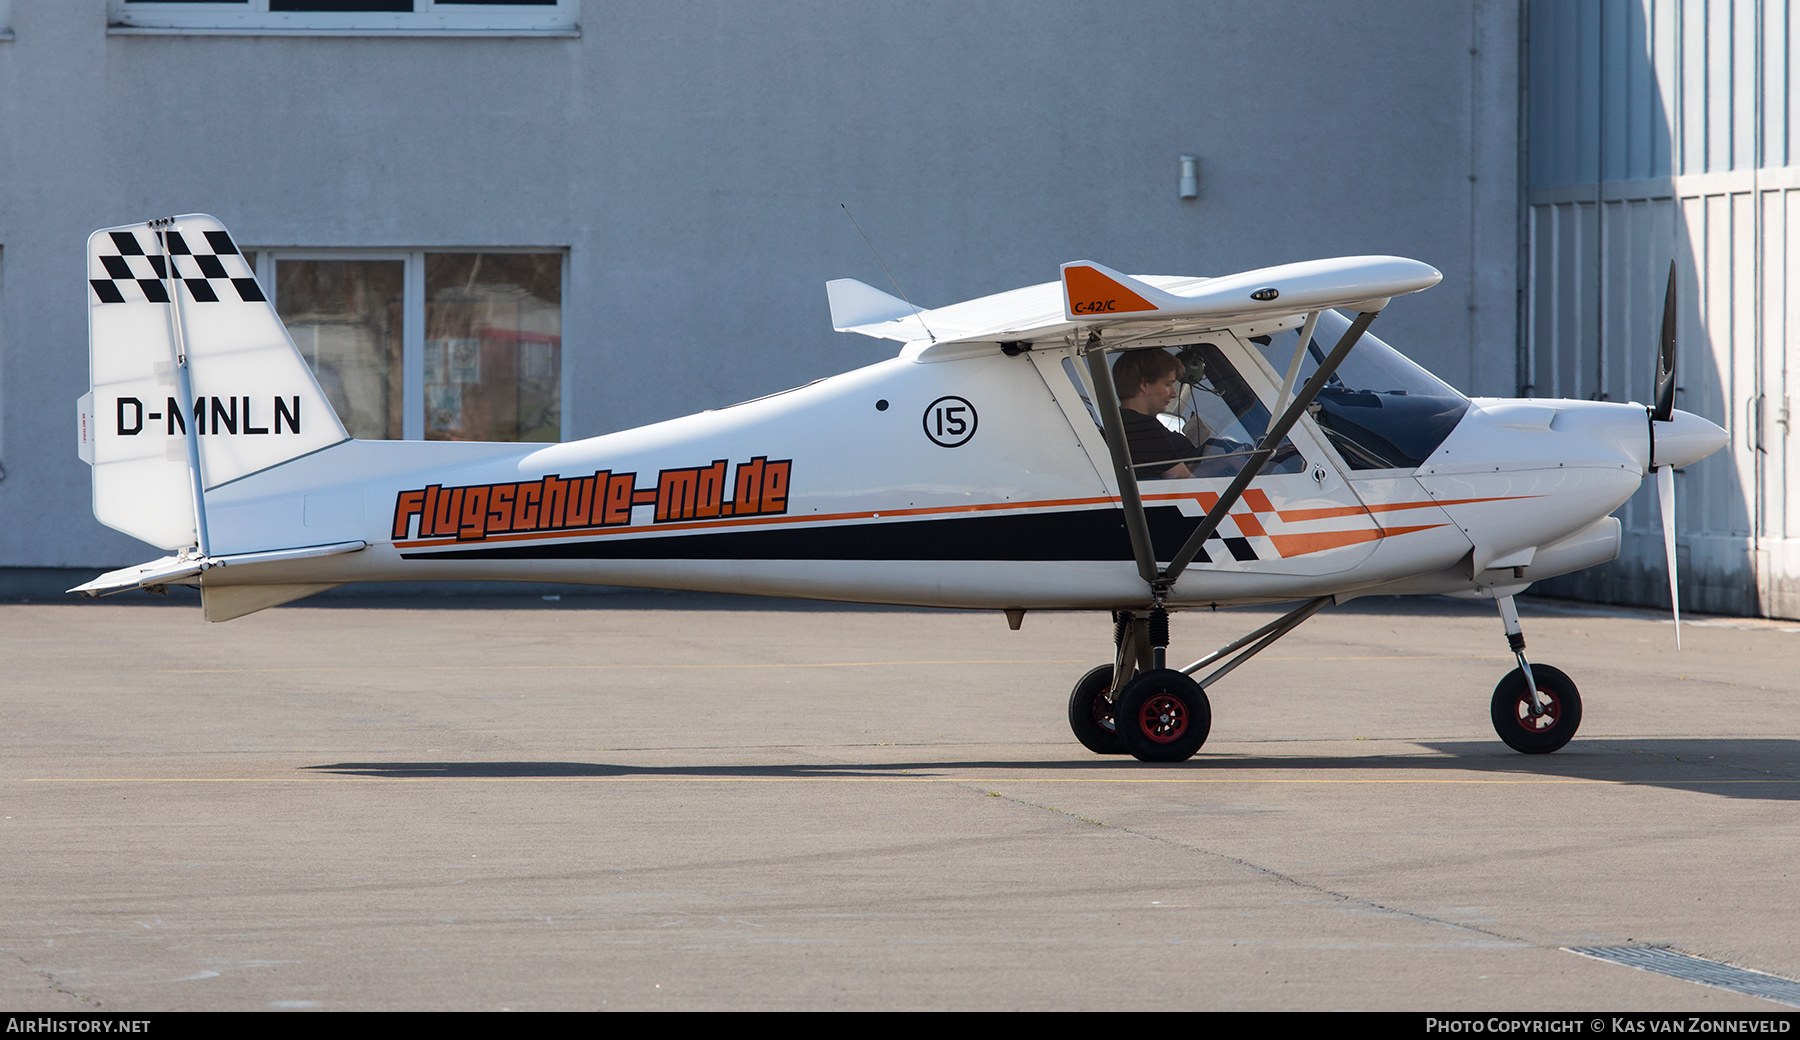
[[1658, 130]]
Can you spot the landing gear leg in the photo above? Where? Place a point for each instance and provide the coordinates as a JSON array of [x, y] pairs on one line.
[[1135, 652], [1157, 713], [1515, 638], [1535, 710]]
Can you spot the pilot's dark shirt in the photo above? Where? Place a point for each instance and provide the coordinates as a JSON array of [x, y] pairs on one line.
[[1154, 447]]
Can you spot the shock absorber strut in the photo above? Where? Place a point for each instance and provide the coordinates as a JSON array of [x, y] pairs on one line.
[[1515, 638], [1159, 637]]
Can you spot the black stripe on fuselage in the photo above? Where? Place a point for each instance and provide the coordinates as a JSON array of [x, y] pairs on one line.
[[1086, 534]]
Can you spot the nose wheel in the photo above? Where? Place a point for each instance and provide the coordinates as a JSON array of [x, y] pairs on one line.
[[1536, 708], [1531, 727]]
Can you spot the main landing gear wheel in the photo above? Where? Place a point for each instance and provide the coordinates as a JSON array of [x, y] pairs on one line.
[[1091, 716], [1162, 716], [1536, 734]]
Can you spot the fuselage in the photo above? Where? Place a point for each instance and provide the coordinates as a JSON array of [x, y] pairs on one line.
[[976, 481]]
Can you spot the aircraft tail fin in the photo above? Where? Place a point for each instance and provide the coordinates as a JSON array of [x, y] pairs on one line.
[[189, 364]]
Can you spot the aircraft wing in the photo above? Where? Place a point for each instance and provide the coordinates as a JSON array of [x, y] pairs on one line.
[[1091, 295], [864, 309]]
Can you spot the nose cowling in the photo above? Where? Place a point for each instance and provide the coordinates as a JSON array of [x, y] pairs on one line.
[[1684, 439]]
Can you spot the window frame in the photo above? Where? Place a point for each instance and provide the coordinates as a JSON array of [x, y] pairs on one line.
[[428, 18], [412, 317]]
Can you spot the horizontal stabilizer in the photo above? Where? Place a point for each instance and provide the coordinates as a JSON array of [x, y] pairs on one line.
[[175, 569], [144, 575], [857, 304]]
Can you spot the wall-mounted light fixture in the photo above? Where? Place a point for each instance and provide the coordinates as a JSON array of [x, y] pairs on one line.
[[1190, 177]]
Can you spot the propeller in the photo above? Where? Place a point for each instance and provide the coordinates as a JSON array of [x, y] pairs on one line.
[[1663, 411], [1665, 496]]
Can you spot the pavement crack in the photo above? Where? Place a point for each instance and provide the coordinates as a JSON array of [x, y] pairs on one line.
[[1271, 872], [55, 985]]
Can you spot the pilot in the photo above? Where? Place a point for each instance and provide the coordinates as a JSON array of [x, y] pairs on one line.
[[1147, 382]]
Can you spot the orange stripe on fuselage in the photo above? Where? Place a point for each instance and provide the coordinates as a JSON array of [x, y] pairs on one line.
[[1291, 545], [1297, 515]]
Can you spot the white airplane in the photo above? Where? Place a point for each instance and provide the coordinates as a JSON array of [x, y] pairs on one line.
[[1137, 445]]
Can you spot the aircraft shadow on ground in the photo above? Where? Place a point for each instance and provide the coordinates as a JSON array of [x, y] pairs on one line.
[[1764, 769], [1737, 767]]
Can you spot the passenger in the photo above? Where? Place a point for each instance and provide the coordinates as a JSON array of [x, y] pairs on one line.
[[1146, 381]]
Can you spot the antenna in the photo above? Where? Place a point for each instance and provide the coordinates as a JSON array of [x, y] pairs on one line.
[[890, 274]]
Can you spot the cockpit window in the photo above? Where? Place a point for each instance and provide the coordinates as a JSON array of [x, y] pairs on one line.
[[1189, 413], [1379, 410]]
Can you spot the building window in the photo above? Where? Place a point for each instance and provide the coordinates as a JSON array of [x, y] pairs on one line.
[[462, 346], [350, 17], [493, 346], [347, 318]]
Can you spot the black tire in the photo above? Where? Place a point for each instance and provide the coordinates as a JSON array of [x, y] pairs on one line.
[[1090, 716], [1541, 734], [1162, 716]]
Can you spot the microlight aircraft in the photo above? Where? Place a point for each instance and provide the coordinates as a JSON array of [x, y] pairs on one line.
[[1287, 455]]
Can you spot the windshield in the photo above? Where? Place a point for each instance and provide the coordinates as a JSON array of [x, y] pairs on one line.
[[1379, 409]]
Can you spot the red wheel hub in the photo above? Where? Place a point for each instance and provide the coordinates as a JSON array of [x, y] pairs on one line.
[[1163, 718], [1539, 723], [1102, 710]]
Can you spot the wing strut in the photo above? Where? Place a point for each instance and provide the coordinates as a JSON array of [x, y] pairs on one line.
[[1267, 634], [1113, 422], [1277, 430], [1107, 400]]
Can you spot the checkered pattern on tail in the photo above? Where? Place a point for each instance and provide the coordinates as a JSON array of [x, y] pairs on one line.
[[135, 270]]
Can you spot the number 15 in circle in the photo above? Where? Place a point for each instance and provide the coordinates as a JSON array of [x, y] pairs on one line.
[[950, 422]]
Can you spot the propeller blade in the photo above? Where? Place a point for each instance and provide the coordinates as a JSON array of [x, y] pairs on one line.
[[1665, 497], [1665, 357]]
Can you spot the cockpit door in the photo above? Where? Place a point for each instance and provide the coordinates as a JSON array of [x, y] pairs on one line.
[[1298, 517]]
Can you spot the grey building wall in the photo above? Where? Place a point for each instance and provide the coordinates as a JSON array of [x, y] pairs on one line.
[[1659, 130], [691, 158]]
